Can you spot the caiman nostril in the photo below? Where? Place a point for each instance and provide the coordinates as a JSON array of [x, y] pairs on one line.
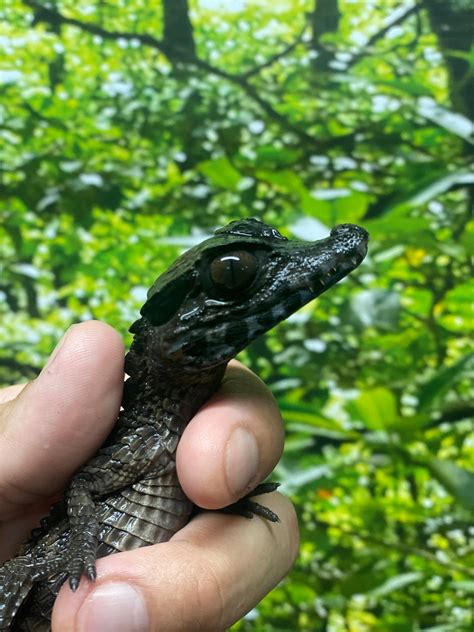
[[349, 230]]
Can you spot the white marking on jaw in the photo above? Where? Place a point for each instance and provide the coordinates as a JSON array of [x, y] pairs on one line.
[[278, 311], [302, 297]]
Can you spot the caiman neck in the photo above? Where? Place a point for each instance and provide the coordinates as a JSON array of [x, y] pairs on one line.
[[150, 372]]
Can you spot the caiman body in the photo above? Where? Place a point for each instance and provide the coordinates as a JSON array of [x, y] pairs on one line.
[[213, 301]]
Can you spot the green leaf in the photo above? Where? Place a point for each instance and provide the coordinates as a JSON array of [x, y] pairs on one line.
[[270, 155], [375, 308], [464, 584], [441, 382], [307, 418], [349, 208], [440, 185], [425, 183], [284, 180], [221, 173], [396, 583], [360, 582], [376, 408], [301, 593], [454, 122], [458, 481]]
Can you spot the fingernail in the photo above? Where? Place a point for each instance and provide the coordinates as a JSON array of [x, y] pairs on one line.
[[241, 460], [113, 607]]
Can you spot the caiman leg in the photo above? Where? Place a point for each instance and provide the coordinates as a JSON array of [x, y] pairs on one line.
[[94, 479], [114, 467]]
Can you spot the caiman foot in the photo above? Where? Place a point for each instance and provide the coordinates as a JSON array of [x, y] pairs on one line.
[[81, 549], [81, 557], [248, 508]]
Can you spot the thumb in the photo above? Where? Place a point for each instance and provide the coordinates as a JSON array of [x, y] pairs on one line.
[[205, 578]]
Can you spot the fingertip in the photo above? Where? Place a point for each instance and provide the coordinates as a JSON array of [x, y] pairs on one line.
[[230, 534], [233, 442], [85, 350], [61, 417]]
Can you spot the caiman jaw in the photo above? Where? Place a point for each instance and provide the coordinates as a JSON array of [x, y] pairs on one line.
[[341, 253]]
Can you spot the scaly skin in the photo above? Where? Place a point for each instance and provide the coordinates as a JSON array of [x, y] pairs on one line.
[[208, 306]]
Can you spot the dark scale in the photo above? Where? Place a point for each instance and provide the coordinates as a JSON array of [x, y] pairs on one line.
[[212, 302]]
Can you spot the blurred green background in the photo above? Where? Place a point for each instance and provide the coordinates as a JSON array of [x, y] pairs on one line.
[[131, 130]]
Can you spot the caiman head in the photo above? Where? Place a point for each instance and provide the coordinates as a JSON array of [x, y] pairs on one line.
[[222, 294]]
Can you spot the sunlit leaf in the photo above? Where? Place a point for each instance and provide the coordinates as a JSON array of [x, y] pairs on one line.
[[376, 408], [443, 379], [457, 480], [396, 583]]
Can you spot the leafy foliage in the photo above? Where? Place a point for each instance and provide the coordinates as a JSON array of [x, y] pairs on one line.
[[128, 132]]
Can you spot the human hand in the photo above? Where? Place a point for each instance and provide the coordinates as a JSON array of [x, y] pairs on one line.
[[211, 572]]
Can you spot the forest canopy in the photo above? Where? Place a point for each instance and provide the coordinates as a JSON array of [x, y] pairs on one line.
[[132, 130]]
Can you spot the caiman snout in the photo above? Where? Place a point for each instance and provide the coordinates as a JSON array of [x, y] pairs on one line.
[[350, 239]]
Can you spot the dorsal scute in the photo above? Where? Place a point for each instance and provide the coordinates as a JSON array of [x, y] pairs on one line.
[[250, 227]]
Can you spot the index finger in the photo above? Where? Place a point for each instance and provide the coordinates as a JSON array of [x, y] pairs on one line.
[[59, 419]]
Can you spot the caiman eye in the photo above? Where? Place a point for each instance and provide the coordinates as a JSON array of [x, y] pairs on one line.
[[233, 270]]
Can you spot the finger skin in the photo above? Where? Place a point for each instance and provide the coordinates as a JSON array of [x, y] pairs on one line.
[[58, 420], [205, 460], [208, 576], [10, 392], [49, 427]]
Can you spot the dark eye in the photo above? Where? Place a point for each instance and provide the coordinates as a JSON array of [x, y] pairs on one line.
[[234, 270]]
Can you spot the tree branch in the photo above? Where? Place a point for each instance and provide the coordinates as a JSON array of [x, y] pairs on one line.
[[48, 14], [325, 19], [274, 58], [452, 23], [51, 15], [264, 105], [178, 37], [452, 415], [380, 35]]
